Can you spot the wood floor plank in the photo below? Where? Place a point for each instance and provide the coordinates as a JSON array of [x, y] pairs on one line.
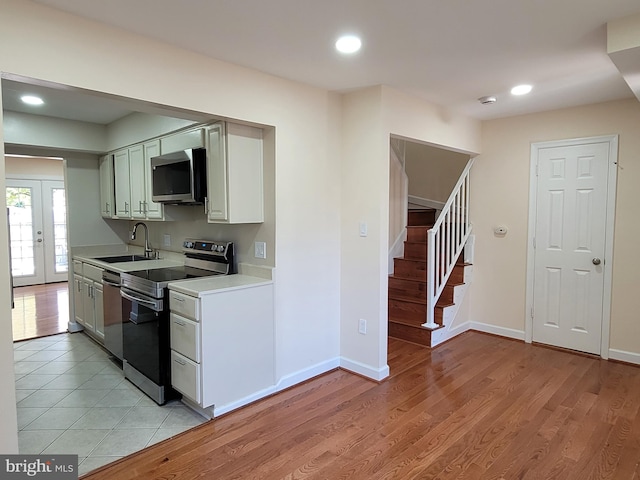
[[477, 408]]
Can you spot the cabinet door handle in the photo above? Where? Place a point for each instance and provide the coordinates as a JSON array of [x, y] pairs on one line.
[[126, 207], [144, 207], [180, 362], [177, 299], [79, 285], [178, 322], [106, 208], [206, 205]]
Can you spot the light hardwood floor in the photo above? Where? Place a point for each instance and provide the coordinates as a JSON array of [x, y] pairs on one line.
[[40, 310], [478, 407]]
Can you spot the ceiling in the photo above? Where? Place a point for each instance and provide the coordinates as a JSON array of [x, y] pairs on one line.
[[449, 52]]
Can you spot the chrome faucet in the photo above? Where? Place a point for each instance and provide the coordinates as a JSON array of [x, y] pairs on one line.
[[148, 251]]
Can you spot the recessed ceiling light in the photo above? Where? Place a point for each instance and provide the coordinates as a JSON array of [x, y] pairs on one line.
[[348, 44], [488, 100], [521, 90], [32, 100]]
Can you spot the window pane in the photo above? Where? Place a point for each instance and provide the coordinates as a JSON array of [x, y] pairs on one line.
[[19, 201]]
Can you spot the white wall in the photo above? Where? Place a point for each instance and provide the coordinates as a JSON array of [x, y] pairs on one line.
[[370, 117], [9, 424], [58, 133], [498, 290], [433, 172], [34, 167], [85, 225], [138, 127]]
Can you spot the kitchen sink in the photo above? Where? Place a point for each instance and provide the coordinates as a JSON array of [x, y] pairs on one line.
[[123, 258]]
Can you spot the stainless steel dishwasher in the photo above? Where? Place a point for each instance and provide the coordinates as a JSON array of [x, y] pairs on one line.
[[112, 313]]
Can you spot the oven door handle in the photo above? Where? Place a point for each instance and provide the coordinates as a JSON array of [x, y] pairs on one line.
[[154, 305]]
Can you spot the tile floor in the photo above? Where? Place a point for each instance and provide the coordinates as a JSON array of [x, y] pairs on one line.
[[73, 400]]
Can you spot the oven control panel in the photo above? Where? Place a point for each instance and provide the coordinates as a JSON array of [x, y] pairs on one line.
[[206, 246]]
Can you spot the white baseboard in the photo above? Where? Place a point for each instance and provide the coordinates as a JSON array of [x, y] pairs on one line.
[[368, 371], [222, 409], [73, 327], [502, 331], [443, 334], [307, 373], [621, 355]]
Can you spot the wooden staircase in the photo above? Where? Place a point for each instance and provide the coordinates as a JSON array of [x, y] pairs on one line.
[[408, 284]]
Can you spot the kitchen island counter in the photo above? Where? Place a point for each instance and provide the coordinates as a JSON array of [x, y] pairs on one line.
[[204, 286]]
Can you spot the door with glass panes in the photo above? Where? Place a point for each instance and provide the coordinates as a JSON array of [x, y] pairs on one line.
[[37, 230]]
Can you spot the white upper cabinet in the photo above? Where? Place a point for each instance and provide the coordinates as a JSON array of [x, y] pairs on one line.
[[106, 186], [182, 141], [136, 179], [153, 210], [234, 174], [122, 183], [235, 192], [133, 182]]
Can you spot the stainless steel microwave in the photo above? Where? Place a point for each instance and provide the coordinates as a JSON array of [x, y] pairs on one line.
[[180, 177]]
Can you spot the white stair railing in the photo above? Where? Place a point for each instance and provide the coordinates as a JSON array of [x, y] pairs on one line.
[[445, 241]]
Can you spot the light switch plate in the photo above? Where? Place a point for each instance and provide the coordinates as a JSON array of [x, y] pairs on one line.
[[166, 240], [260, 250]]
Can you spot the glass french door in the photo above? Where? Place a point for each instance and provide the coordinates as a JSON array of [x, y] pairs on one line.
[[38, 231]]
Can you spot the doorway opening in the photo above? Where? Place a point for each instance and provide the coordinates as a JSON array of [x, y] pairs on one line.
[[37, 221]]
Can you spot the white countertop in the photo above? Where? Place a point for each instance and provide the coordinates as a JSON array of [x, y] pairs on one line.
[[121, 267], [196, 287], [199, 287]]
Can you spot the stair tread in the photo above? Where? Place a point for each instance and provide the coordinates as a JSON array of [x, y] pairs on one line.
[[417, 301], [418, 260], [400, 322], [444, 305], [393, 275]]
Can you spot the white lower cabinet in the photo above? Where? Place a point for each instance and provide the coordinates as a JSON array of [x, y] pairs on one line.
[[88, 299], [185, 336], [222, 346], [185, 377]]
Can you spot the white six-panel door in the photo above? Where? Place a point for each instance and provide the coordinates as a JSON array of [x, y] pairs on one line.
[[570, 234]]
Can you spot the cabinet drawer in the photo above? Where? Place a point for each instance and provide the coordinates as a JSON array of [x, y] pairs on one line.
[[184, 305], [77, 267], [92, 272], [182, 141], [185, 376], [185, 337]]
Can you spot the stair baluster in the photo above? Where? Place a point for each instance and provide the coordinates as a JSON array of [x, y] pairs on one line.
[[445, 242]]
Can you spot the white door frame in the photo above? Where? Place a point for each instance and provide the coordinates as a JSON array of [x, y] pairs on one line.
[[608, 247]]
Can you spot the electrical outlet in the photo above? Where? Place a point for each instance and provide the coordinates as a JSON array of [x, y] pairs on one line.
[[166, 240], [260, 250], [362, 326]]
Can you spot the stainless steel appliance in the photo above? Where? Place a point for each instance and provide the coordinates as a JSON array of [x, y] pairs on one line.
[[112, 313], [145, 313], [180, 177]]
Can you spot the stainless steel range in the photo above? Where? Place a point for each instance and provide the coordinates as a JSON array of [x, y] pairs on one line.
[[145, 313]]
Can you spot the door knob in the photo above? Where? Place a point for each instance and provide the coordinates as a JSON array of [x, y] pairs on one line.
[[596, 261], [39, 232], [39, 240]]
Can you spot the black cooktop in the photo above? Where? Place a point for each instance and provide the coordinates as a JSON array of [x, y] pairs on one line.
[[169, 274]]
